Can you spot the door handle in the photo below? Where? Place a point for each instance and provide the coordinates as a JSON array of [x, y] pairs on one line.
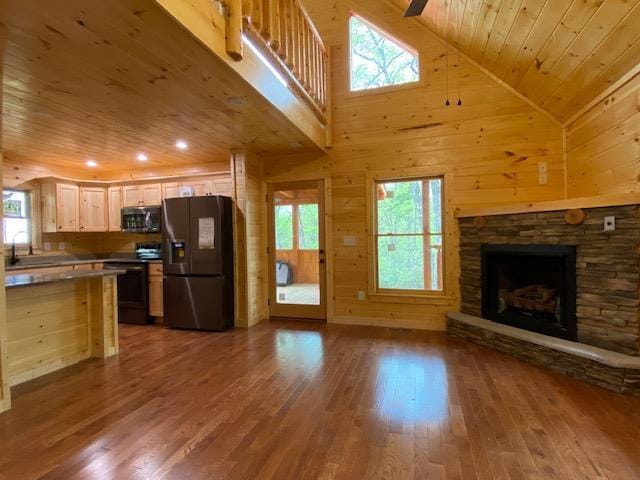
[[322, 260]]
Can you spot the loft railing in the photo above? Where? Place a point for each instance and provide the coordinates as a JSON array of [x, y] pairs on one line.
[[283, 32]]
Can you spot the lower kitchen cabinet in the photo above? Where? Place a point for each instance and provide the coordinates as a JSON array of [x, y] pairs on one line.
[[156, 307]]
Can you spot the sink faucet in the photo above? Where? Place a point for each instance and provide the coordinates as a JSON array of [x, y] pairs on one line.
[[14, 257]]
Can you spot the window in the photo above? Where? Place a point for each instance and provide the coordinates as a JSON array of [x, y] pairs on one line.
[[284, 227], [408, 234], [301, 219], [308, 223], [377, 59], [17, 217]]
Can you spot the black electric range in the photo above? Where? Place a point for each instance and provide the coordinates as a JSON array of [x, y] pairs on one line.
[[133, 286]]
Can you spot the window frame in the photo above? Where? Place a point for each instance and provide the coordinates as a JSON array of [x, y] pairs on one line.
[[377, 294], [385, 88], [29, 217]]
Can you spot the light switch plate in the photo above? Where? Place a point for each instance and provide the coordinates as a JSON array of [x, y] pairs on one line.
[[543, 177], [361, 296], [62, 246], [350, 241], [609, 224], [47, 246]]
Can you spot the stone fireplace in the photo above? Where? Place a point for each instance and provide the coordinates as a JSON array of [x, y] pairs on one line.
[[531, 287], [607, 273], [558, 293]]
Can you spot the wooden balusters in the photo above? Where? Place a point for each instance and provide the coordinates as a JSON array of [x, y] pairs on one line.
[[283, 31]]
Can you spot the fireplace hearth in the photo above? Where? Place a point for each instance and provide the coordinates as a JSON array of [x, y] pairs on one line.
[[532, 287]]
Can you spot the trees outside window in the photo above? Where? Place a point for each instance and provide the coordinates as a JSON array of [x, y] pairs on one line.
[[377, 59], [284, 227], [302, 219], [17, 217], [409, 234], [308, 227]]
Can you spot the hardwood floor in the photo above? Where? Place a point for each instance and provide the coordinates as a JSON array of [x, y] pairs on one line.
[[305, 401]]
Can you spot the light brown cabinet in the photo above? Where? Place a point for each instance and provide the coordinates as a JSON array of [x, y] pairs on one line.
[[142, 195], [156, 306], [197, 188], [93, 209], [60, 208], [171, 190], [115, 208]]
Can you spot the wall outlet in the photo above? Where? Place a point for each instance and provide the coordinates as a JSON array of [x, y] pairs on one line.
[[350, 240], [609, 224], [62, 246], [47, 246], [361, 296], [543, 177]]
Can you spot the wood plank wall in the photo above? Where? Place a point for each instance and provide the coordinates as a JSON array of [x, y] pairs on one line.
[[603, 145], [491, 146], [250, 241]]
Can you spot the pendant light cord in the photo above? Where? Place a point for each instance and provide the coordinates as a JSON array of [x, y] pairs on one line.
[[458, 48], [446, 50]]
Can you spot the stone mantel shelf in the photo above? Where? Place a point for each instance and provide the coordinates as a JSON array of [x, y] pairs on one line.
[[588, 352], [554, 205]]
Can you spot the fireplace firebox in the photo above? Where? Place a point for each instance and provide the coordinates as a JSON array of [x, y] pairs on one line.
[[532, 287]]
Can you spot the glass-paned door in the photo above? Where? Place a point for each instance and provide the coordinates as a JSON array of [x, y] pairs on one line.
[[296, 250]]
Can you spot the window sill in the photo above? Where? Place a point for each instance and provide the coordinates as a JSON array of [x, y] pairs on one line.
[[435, 299], [385, 89]]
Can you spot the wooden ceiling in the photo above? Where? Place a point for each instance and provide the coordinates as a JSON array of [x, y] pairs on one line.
[[561, 54], [107, 79]]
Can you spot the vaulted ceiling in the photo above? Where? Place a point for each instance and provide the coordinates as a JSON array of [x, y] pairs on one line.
[[561, 54]]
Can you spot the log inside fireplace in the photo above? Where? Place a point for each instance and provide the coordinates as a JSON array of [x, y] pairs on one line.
[[532, 287]]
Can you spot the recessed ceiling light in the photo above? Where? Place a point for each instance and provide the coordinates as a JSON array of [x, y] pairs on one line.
[[181, 145], [91, 163], [142, 157]]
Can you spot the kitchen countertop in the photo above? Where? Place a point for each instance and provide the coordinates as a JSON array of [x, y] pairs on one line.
[[65, 263], [27, 280]]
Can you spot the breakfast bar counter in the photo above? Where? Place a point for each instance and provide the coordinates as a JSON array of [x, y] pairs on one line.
[[57, 319]]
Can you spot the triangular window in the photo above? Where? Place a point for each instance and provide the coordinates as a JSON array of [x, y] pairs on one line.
[[378, 59]]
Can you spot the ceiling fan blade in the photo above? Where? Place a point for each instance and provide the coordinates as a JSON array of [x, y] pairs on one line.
[[416, 8]]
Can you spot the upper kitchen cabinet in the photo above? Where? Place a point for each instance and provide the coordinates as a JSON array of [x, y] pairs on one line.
[[115, 208], [192, 188], [142, 195], [60, 208], [93, 209], [171, 190]]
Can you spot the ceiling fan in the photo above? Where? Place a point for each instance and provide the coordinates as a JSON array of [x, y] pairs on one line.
[[416, 7]]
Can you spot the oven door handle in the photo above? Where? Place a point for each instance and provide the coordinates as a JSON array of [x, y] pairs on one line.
[[128, 269]]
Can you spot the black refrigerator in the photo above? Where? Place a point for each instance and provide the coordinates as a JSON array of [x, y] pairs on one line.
[[198, 285]]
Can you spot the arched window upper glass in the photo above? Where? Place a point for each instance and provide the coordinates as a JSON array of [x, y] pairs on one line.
[[377, 59]]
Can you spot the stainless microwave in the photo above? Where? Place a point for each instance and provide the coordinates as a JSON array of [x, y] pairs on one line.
[[141, 219]]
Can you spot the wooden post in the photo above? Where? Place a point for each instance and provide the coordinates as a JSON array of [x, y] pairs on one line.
[[234, 12]]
